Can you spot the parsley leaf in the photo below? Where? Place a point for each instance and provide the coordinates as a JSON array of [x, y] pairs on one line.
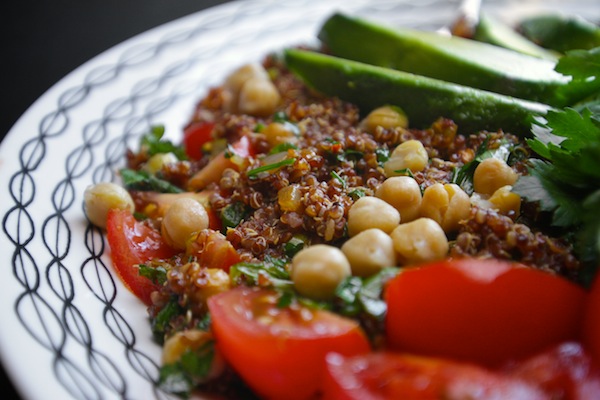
[[154, 143], [566, 182], [144, 181]]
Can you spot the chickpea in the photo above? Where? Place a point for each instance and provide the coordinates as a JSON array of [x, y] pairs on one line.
[[387, 117], [158, 161], [258, 97], [408, 155], [506, 201], [240, 76], [318, 270], [420, 241], [197, 341], [100, 198], [184, 217], [404, 194], [369, 252], [446, 204], [492, 174], [372, 212]]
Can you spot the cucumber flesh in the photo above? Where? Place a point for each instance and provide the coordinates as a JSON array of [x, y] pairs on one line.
[[423, 99], [453, 59], [492, 31]]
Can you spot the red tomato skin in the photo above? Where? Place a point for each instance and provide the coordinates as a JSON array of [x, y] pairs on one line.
[[133, 243], [483, 311], [564, 372], [195, 135], [279, 360], [386, 375], [213, 250], [591, 325]]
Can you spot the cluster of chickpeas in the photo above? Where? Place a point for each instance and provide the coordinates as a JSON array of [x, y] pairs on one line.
[[401, 225]]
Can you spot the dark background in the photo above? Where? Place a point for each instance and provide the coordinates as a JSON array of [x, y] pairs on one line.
[[42, 41]]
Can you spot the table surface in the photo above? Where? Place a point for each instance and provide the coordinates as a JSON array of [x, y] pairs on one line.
[[42, 41]]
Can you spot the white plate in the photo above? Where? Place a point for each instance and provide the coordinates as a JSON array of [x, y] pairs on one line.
[[69, 328]]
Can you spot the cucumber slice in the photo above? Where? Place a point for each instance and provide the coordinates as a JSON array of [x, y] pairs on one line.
[[453, 59], [423, 99], [492, 31], [561, 32]]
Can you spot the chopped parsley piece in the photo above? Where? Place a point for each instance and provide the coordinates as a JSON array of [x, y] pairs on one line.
[[144, 181], [357, 194], [191, 369], [463, 176], [153, 143], [157, 274], [233, 214], [162, 321], [355, 295], [281, 147], [294, 245], [270, 273]]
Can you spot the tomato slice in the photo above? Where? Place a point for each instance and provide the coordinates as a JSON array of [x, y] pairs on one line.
[[385, 375], [133, 243], [591, 325], [279, 351], [485, 311], [195, 135], [564, 371], [213, 250]]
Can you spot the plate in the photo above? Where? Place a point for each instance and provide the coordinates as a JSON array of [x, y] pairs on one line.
[[70, 329]]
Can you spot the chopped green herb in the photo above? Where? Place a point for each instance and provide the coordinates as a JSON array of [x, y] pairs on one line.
[[567, 181], [356, 194], [269, 167], [357, 296], [271, 273], [157, 274], [294, 245], [281, 147], [463, 176], [192, 368], [383, 154], [338, 178], [144, 181], [154, 143], [405, 172], [233, 214], [162, 321]]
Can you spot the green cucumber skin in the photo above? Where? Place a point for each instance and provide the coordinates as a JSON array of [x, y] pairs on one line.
[[423, 99], [458, 60], [561, 32]]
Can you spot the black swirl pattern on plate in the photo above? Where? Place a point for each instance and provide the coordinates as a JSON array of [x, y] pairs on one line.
[[51, 317]]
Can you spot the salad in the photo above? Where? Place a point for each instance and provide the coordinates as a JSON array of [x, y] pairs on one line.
[[395, 214]]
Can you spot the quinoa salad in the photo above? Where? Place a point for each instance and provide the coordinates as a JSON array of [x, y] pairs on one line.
[[310, 208]]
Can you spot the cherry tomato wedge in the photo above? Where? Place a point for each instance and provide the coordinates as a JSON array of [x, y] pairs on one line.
[[213, 250], [385, 375], [591, 325], [485, 311], [133, 243], [564, 372], [194, 137], [279, 351]]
